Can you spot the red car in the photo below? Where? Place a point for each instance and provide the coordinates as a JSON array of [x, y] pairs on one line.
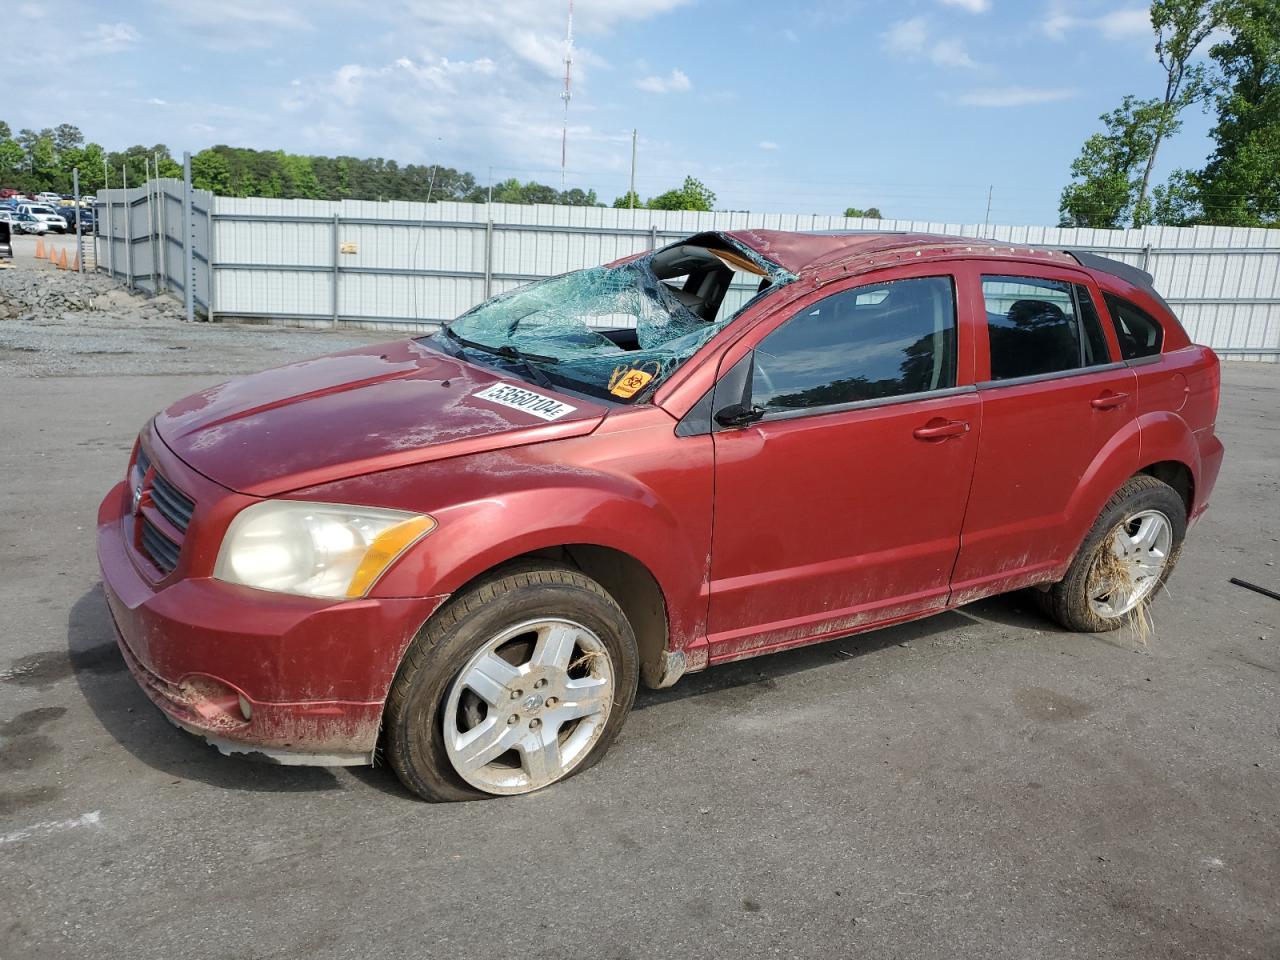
[[466, 550]]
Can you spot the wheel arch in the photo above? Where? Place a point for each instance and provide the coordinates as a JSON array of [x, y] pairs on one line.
[[629, 581], [1177, 475]]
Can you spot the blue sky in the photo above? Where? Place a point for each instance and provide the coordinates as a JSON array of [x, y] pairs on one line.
[[913, 106]]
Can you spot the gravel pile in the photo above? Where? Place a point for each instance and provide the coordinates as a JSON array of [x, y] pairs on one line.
[[58, 324], [39, 292]]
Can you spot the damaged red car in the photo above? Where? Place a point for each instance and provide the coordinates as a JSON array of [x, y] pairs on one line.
[[464, 552]]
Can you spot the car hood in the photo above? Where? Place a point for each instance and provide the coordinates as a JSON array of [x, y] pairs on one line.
[[365, 410]]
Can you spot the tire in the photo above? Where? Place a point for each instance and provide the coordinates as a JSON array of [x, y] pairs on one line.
[[1069, 601], [433, 697]]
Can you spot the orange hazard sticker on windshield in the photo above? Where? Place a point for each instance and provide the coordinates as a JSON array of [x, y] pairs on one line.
[[630, 383]]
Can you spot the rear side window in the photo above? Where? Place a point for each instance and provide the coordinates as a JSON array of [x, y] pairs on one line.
[[867, 343], [1032, 326], [1139, 333]]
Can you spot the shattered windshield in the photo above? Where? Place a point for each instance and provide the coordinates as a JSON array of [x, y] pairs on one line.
[[618, 331]]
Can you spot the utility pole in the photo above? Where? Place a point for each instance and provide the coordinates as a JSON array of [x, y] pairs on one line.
[[986, 223], [631, 194], [566, 95], [75, 189], [128, 227], [188, 227]]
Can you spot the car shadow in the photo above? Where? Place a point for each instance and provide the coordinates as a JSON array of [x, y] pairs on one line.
[[769, 667], [137, 725]]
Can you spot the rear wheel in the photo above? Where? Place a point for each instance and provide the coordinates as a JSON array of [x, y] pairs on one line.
[[1124, 561], [520, 682]]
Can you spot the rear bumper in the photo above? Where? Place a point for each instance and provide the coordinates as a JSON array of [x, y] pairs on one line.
[[294, 679], [1211, 454]]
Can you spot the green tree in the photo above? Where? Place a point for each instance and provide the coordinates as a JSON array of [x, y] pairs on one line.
[[211, 171], [628, 201], [90, 163], [1240, 185], [1181, 27], [1107, 173], [693, 194], [871, 213], [12, 157], [67, 137]]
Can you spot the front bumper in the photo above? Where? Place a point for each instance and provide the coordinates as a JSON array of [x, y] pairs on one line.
[[314, 674]]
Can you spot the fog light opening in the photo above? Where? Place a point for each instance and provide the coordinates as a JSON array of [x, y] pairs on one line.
[[246, 708]]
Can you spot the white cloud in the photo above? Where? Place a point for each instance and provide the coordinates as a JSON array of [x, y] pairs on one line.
[[113, 36], [533, 30], [1114, 25], [913, 38], [1014, 96], [907, 36], [768, 145], [674, 82], [237, 24], [1119, 24], [951, 53], [972, 6]]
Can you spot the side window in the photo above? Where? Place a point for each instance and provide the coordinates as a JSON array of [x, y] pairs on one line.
[[867, 343], [1096, 350], [1031, 325], [1139, 334]]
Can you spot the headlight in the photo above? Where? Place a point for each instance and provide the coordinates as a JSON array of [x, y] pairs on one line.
[[315, 549]]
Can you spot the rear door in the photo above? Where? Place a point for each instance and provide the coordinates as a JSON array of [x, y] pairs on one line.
[[1058, 411], [841, 505]]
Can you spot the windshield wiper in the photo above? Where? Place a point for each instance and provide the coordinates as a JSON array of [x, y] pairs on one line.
[[529, 361]]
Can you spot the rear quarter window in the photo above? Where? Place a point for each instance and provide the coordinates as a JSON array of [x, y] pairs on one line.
[[1139, 333]]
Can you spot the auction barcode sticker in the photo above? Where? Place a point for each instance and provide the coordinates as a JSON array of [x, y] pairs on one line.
[[517, 398]]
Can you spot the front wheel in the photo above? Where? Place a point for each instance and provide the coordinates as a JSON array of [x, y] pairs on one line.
[[520, 682], [1124, 561]]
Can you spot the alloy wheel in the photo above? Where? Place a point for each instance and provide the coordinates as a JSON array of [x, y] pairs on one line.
[[1140, 550], [528, 706]]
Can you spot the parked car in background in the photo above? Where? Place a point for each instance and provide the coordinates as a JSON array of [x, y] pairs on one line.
[[41, 211], [83, 214], [463, 552], [24, 222], [52, 199]]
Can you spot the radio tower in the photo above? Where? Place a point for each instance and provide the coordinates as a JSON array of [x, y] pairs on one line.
[[566, 96]]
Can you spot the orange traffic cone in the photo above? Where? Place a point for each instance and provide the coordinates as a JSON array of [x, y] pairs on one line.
[[62, 259], [75, 264], [39, 249]]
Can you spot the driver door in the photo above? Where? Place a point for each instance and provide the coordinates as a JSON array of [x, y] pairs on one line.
[[841, 483]]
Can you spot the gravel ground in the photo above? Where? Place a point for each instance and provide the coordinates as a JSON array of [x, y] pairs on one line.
[[979, 784], [55, 323]]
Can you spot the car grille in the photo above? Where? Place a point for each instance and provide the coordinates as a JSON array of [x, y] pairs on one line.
[[159, 549], [172, 504]]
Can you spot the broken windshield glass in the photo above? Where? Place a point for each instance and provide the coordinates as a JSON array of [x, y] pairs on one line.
[[616, 331]]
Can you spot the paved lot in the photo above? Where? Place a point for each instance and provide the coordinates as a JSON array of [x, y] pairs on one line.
[[975, 785]]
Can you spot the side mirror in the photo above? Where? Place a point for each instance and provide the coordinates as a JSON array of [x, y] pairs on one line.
[[738, 415]]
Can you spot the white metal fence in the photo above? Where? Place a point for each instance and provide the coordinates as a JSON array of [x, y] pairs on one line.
[[143, 234], [405, 265]]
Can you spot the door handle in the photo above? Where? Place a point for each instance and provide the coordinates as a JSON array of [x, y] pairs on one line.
[[939, 429], [1109, 401]]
